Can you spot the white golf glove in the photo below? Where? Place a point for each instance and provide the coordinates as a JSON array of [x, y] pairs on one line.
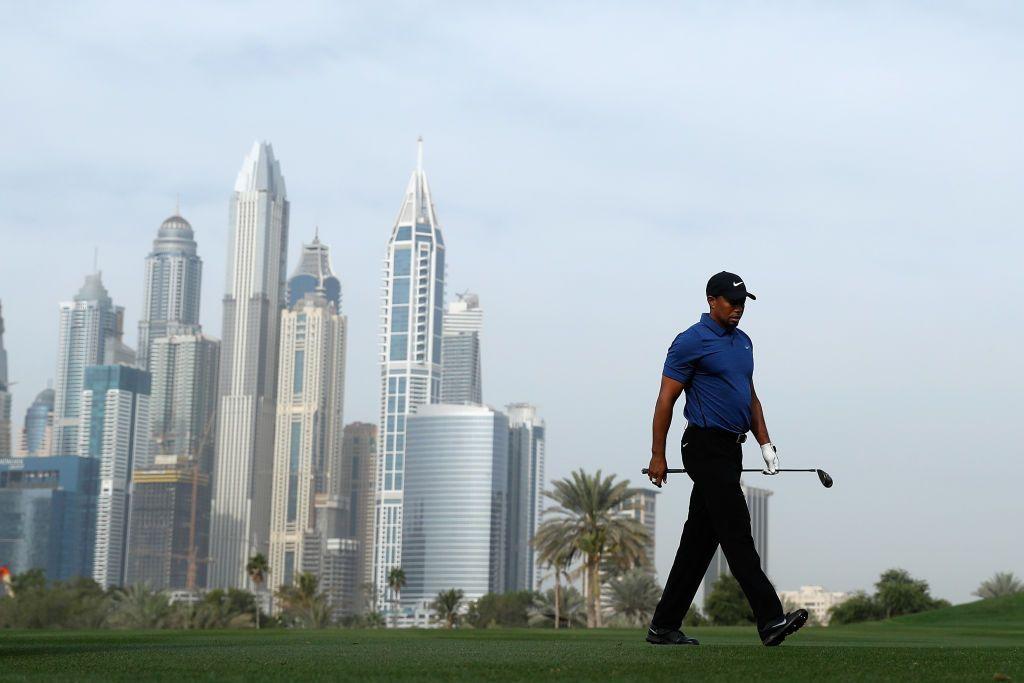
[[771, 458]]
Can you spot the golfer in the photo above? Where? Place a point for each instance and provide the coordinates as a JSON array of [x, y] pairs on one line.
[[713, 362]]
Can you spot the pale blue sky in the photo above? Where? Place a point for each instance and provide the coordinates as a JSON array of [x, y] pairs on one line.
[[859, 164]]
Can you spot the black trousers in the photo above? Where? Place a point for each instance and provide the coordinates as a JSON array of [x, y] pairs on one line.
[[718, 515]]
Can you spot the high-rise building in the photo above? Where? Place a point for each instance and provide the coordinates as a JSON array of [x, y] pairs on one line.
[[37, 434], [307, 453], [642, 506], [526, 441], [462, 378], [114, 430], [314, 274], [5, 398], [815, 599], [183, 401], [358, 472], [168, 534], [411, 320], [757, 503], [47, 511], [254, 298], [455, 503], [86, 325], [170, 297], [333, 557]]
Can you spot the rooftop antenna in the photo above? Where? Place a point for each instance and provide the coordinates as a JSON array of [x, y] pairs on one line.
[[419, 153]]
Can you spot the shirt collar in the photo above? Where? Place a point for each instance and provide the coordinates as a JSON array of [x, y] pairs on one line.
[[710, 323]]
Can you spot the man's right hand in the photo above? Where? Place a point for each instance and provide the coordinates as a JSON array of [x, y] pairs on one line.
[[657, 471]]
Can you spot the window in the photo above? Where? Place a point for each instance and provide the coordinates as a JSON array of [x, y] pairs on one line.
[[399, 319], [403, 257], [293, 472], [404, 233], [399, 342], [298, 372], [400, 292]]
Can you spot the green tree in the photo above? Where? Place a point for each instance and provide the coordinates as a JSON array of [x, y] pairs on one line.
[[396, 582], [694, 618], [500, 609], [897, 592], [634, 595], [858, 607], [303, 605], [257, 568], [727, 605], [557, 556], [79, 603], [572, 610], [223, 609], [446, 606], [585, 518], [1001, 583], [140, 607]]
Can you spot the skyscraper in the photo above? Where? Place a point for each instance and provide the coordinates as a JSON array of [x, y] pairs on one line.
[[307, 452], [5, 398], [114, 431], [314, 273], [642, 506], [455, 498], [757, 503], [462, 380], [183, 401], [526, 443], [86, 325], [47, 512], [170, 297], [358, 472], [37, 434], [257, 251], [410, 355]]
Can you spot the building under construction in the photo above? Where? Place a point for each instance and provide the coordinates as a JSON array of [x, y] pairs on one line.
[[169, 526]]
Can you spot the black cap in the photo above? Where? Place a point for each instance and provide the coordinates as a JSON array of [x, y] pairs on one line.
[[729, 285]]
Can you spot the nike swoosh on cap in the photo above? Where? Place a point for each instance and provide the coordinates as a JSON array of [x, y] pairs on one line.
[[737, 284]]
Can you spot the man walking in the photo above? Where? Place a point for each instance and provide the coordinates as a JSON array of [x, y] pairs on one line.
[[713, 362]]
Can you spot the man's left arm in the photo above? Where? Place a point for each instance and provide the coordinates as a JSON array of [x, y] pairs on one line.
[[760, 431]]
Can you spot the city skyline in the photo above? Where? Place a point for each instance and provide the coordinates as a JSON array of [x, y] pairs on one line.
[[592, 176]]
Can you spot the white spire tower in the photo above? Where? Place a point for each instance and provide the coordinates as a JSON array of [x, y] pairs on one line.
[[410, 356]]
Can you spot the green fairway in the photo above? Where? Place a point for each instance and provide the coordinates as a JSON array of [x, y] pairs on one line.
[[968, 642]]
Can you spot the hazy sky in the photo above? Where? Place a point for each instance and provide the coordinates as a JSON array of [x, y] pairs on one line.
[[859, 164]]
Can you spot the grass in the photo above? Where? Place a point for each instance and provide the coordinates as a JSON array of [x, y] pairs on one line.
[[968, 642]]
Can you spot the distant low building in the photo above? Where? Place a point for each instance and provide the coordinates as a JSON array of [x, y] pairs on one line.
[[815, 600]]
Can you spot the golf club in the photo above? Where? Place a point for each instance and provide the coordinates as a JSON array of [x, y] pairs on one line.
[[823, 476]]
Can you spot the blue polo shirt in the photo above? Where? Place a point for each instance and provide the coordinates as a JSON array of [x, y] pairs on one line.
[[717, 366]]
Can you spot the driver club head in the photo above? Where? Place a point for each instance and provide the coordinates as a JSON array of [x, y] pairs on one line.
[[826, 480]]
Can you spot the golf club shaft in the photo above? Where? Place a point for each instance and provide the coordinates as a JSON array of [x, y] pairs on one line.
[[644, 471]]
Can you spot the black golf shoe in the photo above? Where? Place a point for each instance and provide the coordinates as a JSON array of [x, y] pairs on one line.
[[774, 634], [669, 636]]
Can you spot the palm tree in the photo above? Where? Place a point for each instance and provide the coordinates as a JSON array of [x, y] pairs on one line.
[[570, 609], [1001, 583], [586, 518], [303, 604], [634, 595], [139, 606], [396, 582], [257, 569], [553, 553], [447, 604]]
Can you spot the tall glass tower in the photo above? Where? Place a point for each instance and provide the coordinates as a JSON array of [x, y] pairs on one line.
[[410, 374], [254, 298], [170, 299]]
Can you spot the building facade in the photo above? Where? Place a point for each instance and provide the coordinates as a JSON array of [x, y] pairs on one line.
[[6, 446], [642, 506], [37, 434], [815, 599], [314, 274], [358, 472], [47, 513], [168, 535], [455, 496], [307, 453], [170, 296], [411, 322], [254, 298], [88, 327], [526, 444], [183, 401], [462, 378], [114, 430], [757, 503]]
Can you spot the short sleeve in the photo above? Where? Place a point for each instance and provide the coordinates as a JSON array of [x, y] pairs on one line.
[[683, 354]]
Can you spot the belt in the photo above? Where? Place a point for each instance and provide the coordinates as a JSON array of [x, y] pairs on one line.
[[734, 436]]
